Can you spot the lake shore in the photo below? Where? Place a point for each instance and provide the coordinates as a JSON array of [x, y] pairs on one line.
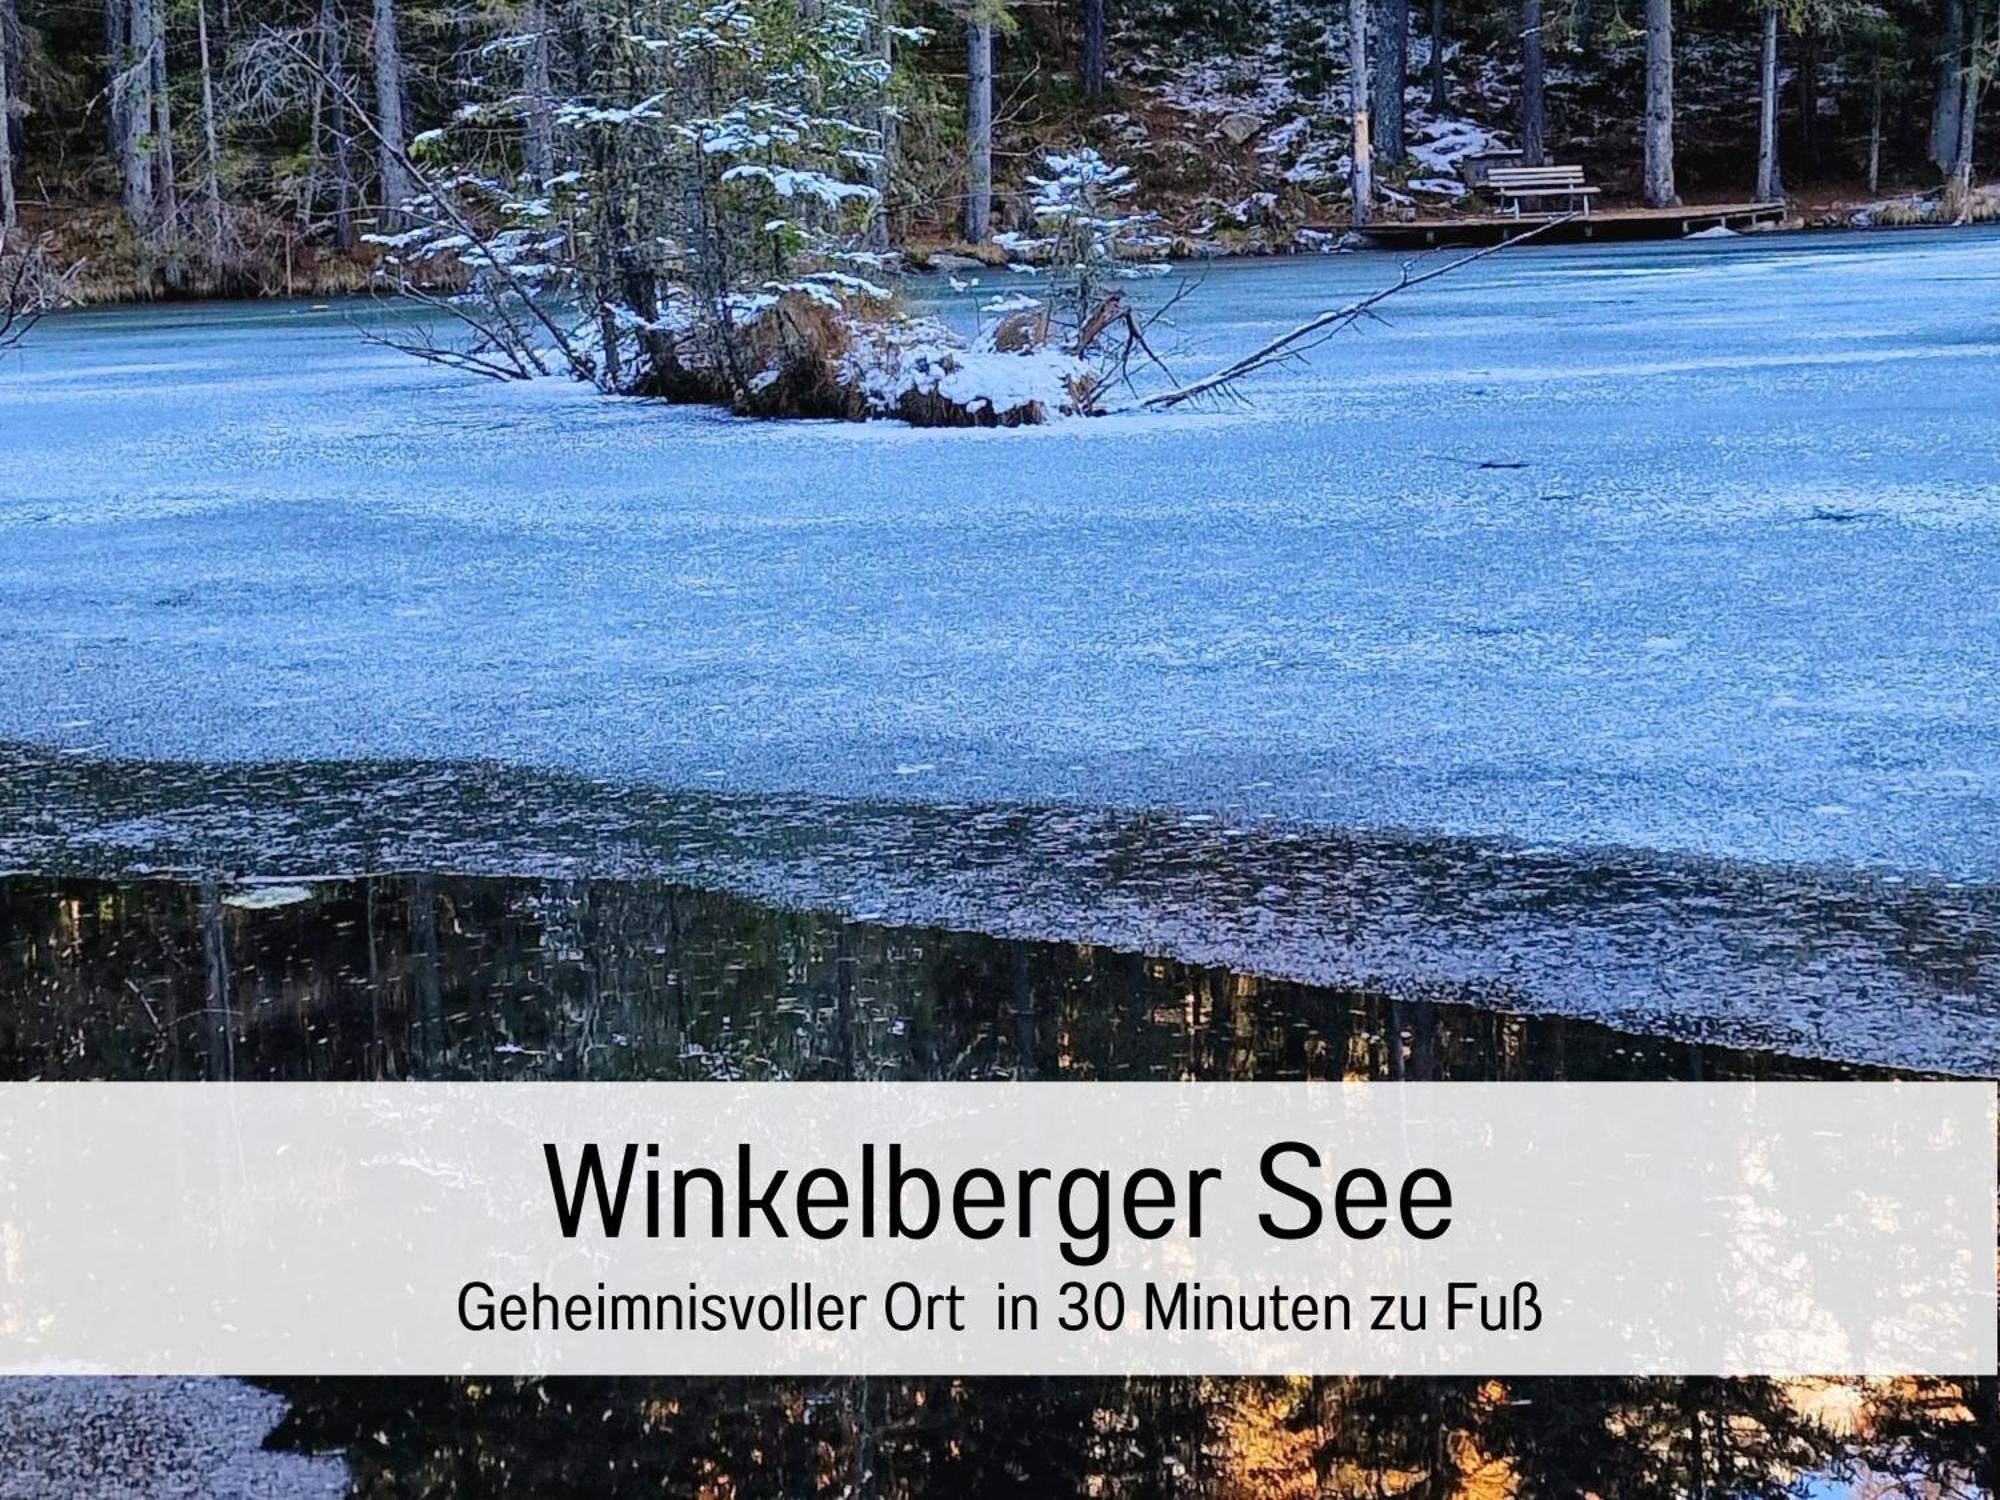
[[108, 278]]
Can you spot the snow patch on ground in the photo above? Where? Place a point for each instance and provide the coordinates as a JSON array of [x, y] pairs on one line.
[[930, 361], [1438, 144], [150, 1439], [1303, 134]]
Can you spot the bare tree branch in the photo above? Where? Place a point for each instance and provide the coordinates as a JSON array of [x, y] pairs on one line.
[[31, 286], [1315, 331], [440, 197]]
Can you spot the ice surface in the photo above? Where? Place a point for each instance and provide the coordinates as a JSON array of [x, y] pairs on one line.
[[1690, 547], [151, 1439]]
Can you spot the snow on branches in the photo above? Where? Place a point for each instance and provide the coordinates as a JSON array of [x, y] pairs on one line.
[[676, 202], [662, 173]]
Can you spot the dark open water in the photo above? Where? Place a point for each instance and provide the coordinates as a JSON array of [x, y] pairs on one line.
[[427, 976]]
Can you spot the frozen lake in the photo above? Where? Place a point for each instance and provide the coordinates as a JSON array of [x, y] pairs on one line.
[[1616, 634], [1736, 591]]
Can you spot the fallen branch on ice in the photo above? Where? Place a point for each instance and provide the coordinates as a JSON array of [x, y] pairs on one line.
[[1326, 324]]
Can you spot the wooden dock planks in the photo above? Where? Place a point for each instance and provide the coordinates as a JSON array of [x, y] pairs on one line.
[[1601, 224]]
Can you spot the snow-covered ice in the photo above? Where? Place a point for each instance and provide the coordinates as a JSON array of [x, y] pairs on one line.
[[1418, 584], [150, 1439]]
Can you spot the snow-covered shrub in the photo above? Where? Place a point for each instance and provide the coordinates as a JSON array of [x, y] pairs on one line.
[[1088, 236], [714, 166], [704, 236]]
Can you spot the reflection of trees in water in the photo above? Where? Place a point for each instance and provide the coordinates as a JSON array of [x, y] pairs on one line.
[[458, 978], [1146, 1439], [429, 976]]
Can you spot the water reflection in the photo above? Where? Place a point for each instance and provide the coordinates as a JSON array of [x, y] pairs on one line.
[[1871, 968], [426, 976], [1238, 1439]]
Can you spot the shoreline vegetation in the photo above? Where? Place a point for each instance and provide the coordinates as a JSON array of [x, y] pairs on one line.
[[332, 277], [709, 202]]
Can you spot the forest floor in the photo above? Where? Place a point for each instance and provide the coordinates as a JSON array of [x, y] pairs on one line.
[[1261, 221], [1245, 150]]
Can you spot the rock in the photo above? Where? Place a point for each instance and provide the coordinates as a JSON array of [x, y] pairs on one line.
[[1239, 127]]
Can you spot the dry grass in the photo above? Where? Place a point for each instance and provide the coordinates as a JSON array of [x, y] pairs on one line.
[[798, 348], [1903, 213], [264, 259], [1936, 209]]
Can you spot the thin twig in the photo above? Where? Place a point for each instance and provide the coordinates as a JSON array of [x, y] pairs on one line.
[[33, 288]]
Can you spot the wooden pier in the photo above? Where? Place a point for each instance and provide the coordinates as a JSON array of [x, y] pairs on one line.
[[1601, 224]]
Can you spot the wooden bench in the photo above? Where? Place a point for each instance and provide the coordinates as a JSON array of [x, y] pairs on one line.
[[1516, 185]]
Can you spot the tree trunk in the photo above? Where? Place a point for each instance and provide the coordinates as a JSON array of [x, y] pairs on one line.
[[1769, 188], [1809, 121], [315, 158], [1875, 133], [9, 211], [1361, 173], [166, 191], [978, 130], [1660, 104], [1948, 78], [132, 104], [1534, 104], [389, 112], [117, 37], [1440, 100], [212, 175], [538, 150], [1093, 49], [880, 230], [333, 61], [1968, 119], [1392, 71]]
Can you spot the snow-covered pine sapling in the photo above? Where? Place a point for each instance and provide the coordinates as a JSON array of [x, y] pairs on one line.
[[1089, 238], [730, 177]]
